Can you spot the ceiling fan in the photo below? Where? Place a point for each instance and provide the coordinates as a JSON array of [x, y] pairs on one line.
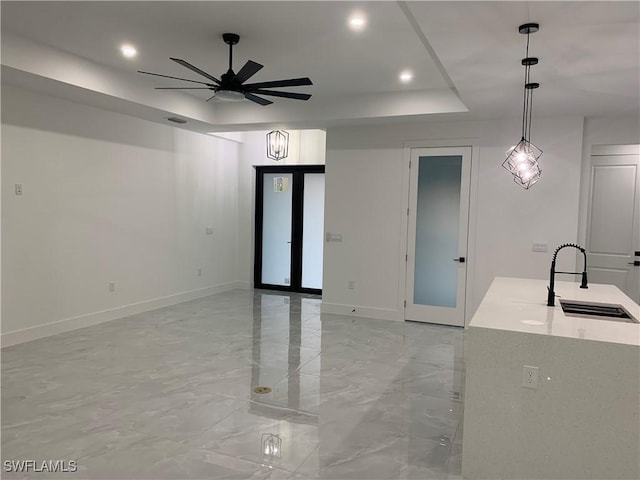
[[231, 85]]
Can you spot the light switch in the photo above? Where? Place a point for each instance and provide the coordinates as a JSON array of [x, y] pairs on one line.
[[540, 247]]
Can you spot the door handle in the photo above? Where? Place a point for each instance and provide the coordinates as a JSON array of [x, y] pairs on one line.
[[635, 263], [460, 259]]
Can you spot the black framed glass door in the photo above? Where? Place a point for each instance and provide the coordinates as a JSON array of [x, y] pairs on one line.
[[289, 225]]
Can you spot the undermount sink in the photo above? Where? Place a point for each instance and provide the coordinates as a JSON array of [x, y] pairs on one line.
[[602, 311]]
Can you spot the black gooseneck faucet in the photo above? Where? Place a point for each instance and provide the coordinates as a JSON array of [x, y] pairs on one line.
[[552, 294]]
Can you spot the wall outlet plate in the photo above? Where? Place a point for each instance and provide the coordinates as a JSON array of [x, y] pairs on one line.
[[529, 377]]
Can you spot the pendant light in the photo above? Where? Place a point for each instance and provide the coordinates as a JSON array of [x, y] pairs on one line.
[[277, 144], [522, 159]]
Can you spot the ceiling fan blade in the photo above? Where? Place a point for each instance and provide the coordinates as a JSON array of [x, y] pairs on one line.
[[195, 69], [175, 78], [276, 93], [249, 70], [184, 88], [257, 99], [291, 82]]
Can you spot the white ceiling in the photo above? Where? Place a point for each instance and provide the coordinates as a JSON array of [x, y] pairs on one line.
[[465, 57]]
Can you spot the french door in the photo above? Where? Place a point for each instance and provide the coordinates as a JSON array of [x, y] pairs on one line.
[[437, 234], [289, 224]]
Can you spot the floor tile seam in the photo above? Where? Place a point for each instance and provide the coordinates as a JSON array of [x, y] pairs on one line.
[[427, 396], [277, 341], [298, 371], [430, 393], [299, 368], [371, 451], [245, 459], [425, 378], [292, 411], [201, 432], [297, 469], [162, 411]]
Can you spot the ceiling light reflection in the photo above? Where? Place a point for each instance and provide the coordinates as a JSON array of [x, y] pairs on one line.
[[128, 51], [357, 22], [406, 76]]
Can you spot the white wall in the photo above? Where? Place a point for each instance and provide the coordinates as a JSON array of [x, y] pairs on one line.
[[107, 197], [306, 147], [366, 201]]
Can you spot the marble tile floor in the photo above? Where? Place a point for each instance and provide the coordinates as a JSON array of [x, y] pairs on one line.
[[168, 394]]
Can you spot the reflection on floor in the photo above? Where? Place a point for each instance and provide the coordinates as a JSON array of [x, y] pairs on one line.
[[170, 394]]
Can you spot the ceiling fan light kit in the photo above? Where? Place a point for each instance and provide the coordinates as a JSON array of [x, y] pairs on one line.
[[522, 159], [232, 86]]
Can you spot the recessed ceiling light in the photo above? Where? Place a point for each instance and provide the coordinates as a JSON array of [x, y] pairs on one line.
[[406, 76], [128, 51], [357, 22]]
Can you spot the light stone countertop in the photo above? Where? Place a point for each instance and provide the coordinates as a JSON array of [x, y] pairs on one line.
[[520, 305]]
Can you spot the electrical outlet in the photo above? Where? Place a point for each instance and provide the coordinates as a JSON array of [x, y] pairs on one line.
[[529, 377], [199, 272], [209, 230], [18, 189], [112, 286], [351, 284]]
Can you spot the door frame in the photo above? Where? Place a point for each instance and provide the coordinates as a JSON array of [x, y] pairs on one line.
[[297, 217], [473, 143]]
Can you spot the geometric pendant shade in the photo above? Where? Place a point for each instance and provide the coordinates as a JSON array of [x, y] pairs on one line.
[[522, 163], [277, 144]]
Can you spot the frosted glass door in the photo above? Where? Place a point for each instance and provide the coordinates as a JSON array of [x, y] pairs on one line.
[[438, 224], [312, 230], [276, 228]]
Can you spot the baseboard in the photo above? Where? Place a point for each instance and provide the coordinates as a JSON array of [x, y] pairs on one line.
[[244, 285], [68, 324], [360, 311]]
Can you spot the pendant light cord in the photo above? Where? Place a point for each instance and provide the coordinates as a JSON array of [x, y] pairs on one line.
[[525, 100], [530, 108], [524, 94]]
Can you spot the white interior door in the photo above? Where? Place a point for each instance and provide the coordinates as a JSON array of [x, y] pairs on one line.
[[613, 231], [437, 236]]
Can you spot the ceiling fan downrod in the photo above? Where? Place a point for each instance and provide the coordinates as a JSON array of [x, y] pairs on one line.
[[231, 39]]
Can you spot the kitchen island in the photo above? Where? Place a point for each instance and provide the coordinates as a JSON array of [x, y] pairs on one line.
[[583, 418]]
